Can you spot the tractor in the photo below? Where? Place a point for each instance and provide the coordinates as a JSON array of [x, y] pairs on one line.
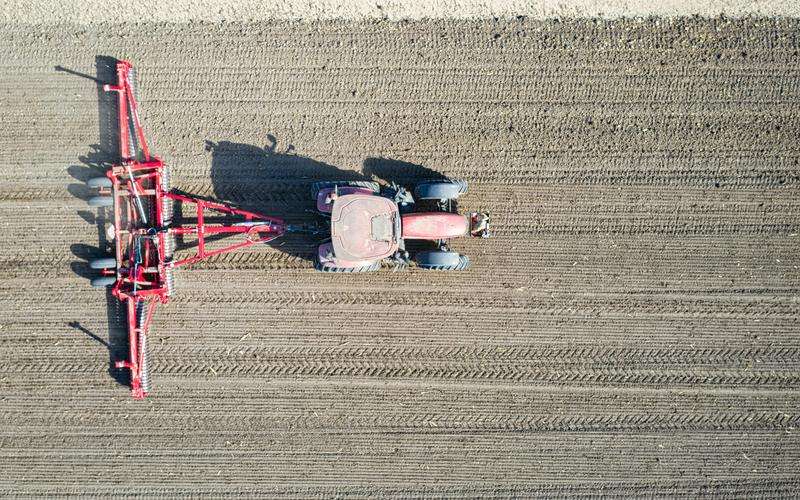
[[370, 224]]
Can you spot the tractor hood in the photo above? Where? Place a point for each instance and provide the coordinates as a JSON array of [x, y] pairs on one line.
[[364, 227], [434, 226]]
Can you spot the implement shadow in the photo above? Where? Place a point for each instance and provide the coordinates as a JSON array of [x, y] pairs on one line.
[[94, 164]]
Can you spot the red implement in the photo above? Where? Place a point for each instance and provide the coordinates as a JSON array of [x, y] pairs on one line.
[[144, 233]]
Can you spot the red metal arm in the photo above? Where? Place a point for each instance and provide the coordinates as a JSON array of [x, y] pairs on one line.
[[261, 228], [128, 113]]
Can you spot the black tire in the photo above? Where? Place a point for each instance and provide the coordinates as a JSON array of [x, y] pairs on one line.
[[329, 268], [438, 260], [103, 263], [317, 186], [440, 190], [101, 201], [99, 182], [103, 281]]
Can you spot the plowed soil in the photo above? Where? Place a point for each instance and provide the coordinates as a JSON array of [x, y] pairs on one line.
[[631, 329]]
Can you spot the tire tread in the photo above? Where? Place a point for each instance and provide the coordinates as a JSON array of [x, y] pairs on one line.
[[463, 264], [327, 268]]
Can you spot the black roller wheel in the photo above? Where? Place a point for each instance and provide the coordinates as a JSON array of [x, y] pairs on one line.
[[141, 319], [99, 182], [169, 273], [103, 263], [167, 205], [103, 281], [169, 281], [133, 80], [442, 261]]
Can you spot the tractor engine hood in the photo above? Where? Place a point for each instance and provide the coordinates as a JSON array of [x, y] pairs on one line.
[[434, 226]]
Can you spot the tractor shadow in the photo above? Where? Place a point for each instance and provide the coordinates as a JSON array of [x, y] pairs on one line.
[[95, 163], [278, 182], [405, 174]]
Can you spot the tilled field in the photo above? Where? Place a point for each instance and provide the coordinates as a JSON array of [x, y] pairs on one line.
[[631, 329]]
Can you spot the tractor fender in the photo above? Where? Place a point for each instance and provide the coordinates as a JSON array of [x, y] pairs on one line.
[[326, 257], [433, 226], [325, 204]]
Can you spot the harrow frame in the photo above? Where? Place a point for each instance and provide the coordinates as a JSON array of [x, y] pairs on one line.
[[144, 233]]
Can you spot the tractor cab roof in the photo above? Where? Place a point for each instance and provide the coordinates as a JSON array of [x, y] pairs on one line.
[[364, 227]]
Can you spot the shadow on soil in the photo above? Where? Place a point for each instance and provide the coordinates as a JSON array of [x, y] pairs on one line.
[[273, 182], [94, 163], [279, 182], [404, 173]]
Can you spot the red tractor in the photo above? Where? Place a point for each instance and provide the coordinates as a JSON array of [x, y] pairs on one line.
[[369, 224]]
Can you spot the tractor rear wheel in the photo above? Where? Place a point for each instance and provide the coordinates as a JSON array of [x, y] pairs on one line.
[[103, 263], [442, 261], [317, 186], [103, 281], [100, 201], [440, 190], [330, 268], [99, 182]]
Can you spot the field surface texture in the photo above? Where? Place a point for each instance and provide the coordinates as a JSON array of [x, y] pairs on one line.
[[631, 329]]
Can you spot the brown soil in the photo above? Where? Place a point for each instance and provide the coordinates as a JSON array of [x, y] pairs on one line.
[[631, 329]]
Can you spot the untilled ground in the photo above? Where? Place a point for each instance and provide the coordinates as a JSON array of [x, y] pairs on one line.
[[631, 329]]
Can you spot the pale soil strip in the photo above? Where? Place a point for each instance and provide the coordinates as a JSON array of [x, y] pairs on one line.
[[185, 11]]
